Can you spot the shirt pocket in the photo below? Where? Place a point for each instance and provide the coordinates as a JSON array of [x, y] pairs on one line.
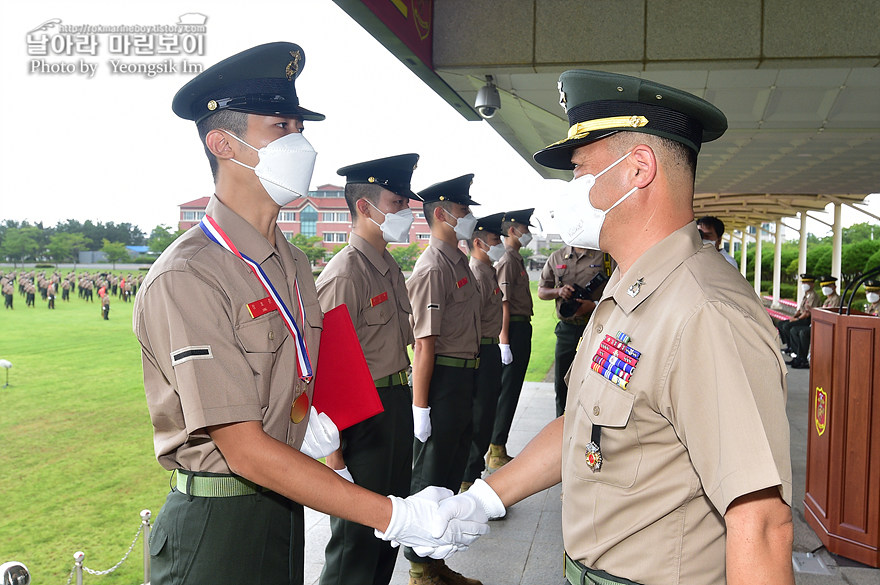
[[462, 293], [378, 315], [265, 334], [603, 404]]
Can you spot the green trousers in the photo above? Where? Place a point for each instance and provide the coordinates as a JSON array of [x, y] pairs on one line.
[[512, 377], [488, 387], [378, 453], [567, 338], [256, 539], [442, 458]]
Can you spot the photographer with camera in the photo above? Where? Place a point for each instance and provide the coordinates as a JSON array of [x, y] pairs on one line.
[[568, 278]]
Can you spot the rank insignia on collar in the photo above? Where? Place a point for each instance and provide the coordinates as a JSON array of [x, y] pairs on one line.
[[593, 456], [635, 287]]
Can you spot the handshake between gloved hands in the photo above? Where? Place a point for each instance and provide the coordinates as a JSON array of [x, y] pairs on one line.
[[436, 523]]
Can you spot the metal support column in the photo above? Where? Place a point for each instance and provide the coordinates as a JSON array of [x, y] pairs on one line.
[[777, 266]]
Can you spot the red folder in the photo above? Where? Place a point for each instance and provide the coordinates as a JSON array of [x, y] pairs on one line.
[[344, 387]]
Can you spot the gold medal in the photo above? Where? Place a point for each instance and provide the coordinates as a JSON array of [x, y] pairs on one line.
[[300, 408]]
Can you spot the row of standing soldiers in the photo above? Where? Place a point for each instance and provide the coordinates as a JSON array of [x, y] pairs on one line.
[[48, 285]]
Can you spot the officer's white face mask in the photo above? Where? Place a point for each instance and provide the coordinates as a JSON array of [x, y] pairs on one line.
[[396, 226], [873, 297], [285, 167], [578, 221], [493, 252], [524, 239], [709, 242], [464, 226], [827, 290], [806, 287]]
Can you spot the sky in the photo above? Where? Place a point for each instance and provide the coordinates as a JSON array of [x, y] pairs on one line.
[[97, 143]]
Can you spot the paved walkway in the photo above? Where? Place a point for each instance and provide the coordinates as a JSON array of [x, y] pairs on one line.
[[526, 546]]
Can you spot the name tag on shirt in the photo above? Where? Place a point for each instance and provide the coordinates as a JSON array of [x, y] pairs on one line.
[[379, 299], [261, 307], [462, 282], [561, 266]]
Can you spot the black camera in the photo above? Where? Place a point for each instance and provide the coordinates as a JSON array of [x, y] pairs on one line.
[[591, 292]]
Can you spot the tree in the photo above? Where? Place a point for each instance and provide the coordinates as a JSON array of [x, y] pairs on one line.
[[161, 237], [20, 244], [406, 256], [872, 262], [65, 246], [311, 247], [854, 257], [526, 253], [859, 232], [115, 251]]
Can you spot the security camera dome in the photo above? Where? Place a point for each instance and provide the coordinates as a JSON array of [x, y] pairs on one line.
[[488, 101]]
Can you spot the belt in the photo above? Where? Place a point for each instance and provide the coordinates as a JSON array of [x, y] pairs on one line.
[[490, 340], [214, 486], [579, 321], [514, 318], [396, 379], [577, 574], [454, 362]]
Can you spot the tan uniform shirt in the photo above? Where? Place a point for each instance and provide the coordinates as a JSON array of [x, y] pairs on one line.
[[570, 266], [701, 422], [490, 298], [831, 301], [373, 289], [207, 360], [445, 301], [514, 282], [810, 300]]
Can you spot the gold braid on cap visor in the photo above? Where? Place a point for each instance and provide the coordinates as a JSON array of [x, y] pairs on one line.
[[583, 129]]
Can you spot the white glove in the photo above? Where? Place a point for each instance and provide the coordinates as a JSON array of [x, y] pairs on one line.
[[477, 505], [421, 423], [506, 354], [322, 436], [416, 522], [344, 473]]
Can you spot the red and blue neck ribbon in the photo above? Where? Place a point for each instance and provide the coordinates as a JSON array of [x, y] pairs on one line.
[[304, 365]]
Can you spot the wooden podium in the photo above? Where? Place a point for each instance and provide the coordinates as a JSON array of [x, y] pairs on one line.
[[842, 500]]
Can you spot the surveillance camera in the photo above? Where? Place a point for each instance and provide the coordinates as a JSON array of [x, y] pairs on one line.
[[14, 573], [488, 101]]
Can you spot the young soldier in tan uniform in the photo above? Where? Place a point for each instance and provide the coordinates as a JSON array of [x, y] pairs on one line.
[[673, 451], [516, 330], [376, 453], [229, 356], [485, 247], [446, 325], [565, 267]]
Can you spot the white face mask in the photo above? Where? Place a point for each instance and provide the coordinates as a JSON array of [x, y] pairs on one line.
[[827, 290], [873, 297], [579, 223], [709, 242], [494, 252], [524, 239], [806, 287], [396, 226], [464, 226], [285, 167]]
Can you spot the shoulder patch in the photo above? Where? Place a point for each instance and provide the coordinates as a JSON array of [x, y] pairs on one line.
[[193, 352]]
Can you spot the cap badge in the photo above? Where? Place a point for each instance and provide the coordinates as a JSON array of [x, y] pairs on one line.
[[293, 66], [635, 287]]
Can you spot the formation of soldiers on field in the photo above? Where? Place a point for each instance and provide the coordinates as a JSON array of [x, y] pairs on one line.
[[85, 284]]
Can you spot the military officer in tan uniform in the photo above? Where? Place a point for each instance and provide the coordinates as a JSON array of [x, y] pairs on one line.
[[799, 336], [673, 451], [801, 317], [486, 248], [516, 330], [566, 267], [376, 453], [446, 325], [229, 325], [872, 295]]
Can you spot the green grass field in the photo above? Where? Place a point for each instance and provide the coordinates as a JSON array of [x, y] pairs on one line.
[[76, 449]]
